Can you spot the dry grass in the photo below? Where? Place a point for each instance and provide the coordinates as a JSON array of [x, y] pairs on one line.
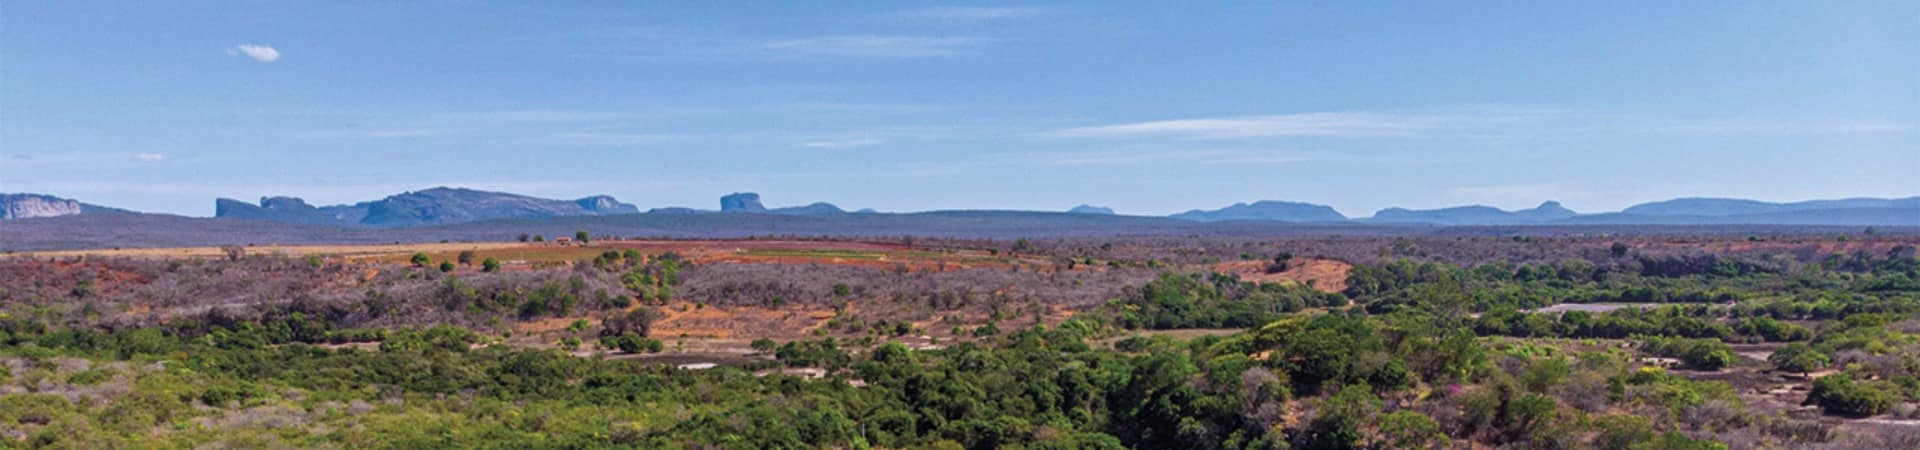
[[1326, 275]]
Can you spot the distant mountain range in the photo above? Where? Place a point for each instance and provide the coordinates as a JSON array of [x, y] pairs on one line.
[[1723, 207], [748, 202], [436, 206], [447, 206], [1266, 210], [1475, 215]]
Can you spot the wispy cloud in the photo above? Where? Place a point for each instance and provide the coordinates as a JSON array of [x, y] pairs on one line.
[[842, 143], [1304, 124], [1161, 156], [876, 46], [149, 157], [261, 53], [962, 13], [1464, 121]]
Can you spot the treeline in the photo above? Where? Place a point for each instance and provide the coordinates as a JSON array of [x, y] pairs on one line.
[[1387, 286], [1349, 377], [1213, 301]]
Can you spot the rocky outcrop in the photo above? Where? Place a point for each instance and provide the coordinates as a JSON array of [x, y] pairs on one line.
[[287, 210], [603, 204], [1090, 209], [741, 202], [28, 206]]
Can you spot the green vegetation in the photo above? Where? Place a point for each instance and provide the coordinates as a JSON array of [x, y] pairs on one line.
[[1213, 301], [1845, 396], [1698, 354], [1800, 358], [1412, 355]]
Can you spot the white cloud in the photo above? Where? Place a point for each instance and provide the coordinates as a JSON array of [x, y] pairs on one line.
[[963, 13], [149, 157], [841, 143], [1304, 124], [261, 53], [872, 46], [1167, 156]]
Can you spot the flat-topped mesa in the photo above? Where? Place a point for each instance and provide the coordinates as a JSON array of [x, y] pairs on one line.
[[741, 202], [28, 206], [1090, 209]]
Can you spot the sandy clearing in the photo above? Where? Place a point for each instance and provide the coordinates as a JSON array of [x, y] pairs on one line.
[[1326, 275]]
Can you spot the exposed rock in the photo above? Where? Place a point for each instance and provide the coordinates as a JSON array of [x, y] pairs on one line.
[[1090, 209], [741, 202], [604, 204], [28, 206]]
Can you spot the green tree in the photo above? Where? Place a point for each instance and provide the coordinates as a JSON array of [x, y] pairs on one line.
[[1410, 430], [764, 345], [580, 236], [1622, 431], [1798, 357], [1840, 394], [1338, 423], [421, 259], [639, 322], [446, 266], [490, 265]]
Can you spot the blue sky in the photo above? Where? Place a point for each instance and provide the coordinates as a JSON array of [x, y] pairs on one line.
[[1150, 107]]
